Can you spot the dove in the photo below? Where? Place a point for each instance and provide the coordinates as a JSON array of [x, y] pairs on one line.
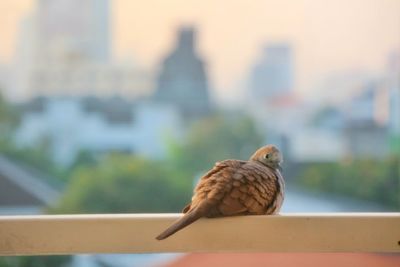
[[236, 187]]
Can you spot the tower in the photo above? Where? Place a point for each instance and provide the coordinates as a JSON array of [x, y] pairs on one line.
[[273, 74], [182, 80]]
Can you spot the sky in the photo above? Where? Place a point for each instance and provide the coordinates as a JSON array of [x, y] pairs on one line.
[[327, 36]]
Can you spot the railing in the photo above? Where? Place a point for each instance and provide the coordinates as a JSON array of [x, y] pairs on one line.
[[135, 233]]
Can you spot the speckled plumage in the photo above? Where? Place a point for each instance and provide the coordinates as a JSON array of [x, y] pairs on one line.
[[235, 187]]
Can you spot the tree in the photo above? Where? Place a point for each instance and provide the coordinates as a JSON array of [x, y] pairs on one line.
[[376, 180], [122, 183], [8, 117], [35, 261], [8, 120], [213, 139]]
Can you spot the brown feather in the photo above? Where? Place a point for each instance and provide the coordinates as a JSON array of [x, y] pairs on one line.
[[234, 187], [187, 219]]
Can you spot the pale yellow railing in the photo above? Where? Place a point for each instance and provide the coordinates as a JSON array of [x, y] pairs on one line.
[[134, 233]]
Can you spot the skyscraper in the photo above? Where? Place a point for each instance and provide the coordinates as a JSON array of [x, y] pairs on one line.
[[182, 80], [273, 74], [73, 28], [64, 49]]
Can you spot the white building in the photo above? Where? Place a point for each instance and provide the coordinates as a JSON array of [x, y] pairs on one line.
[[74, 28], [317, 145], [89, 78], [273, 74], [71, 126], [372, 103], [64, 49]]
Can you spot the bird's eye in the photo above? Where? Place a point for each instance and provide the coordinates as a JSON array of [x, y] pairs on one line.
[[266, 156]]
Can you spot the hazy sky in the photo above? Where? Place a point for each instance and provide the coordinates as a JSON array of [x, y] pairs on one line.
[[327, 35]]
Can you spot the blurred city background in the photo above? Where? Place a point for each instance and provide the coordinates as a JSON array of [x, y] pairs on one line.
[[118, 106]]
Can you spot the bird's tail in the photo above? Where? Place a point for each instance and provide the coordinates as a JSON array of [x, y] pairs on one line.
[[187, 219]]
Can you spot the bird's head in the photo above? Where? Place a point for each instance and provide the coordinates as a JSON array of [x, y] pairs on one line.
[[268, 155]]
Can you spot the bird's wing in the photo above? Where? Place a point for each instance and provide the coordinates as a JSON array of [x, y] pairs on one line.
[[214, 185], [254, 189], [231, 187], [211, 189]]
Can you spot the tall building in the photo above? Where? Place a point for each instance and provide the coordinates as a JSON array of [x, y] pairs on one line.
[[73, 28], [182, 80], [273, 75], [64, 49]]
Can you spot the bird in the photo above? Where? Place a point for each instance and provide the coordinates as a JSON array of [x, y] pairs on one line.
[[236, 187]]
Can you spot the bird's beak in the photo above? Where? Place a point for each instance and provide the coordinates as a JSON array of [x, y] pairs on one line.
[[278, 157]]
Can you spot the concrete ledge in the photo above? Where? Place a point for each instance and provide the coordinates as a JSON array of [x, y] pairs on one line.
[[135, 233]]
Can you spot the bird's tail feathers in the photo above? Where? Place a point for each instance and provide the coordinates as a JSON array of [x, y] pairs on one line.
[[187, 219]]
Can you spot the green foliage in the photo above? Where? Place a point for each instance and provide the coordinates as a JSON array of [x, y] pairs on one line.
[[35, 261], [8, 117], [37, 157], [123, 183], [321, 115], [394, 144], [214, 139], [84, 158], [366, 179]]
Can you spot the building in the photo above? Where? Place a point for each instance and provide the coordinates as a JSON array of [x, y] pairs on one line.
[[273, 103], [71, 125], [64, 49], [182, 80], [362, 107], [273, 75], [89, 78], [367, 122], [281, 120], [317, 145], [366, 139], [73, 28]]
